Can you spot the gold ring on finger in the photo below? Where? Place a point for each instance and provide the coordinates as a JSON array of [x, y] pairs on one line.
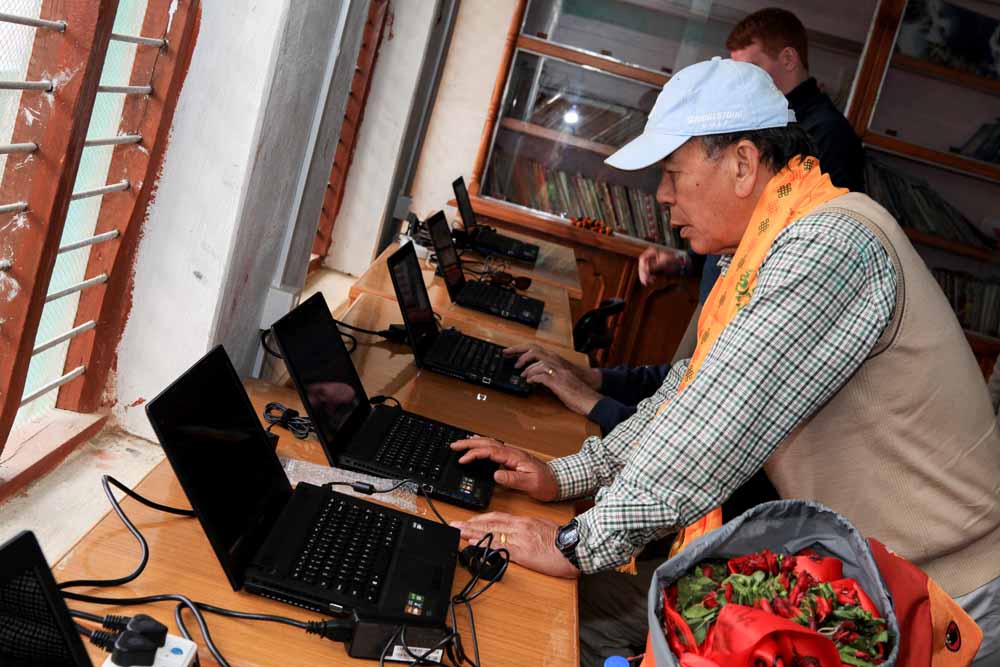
[[503, 538]]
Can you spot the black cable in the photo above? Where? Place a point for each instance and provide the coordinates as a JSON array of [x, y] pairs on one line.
[[425, 489], [359, 329], [106, 482], [277, 414], [267, 348], [86, 615], [350, 339], [169, 597], [379, 400]]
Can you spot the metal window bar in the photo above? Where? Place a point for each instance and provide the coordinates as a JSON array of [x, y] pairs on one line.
[[29, 147], [113, 141], [55, 384], [44, 84], [96, 192], [16, 207], [126, 90], [92, 240], [59, 26], [52, 342], [134, 39], [79, 287]]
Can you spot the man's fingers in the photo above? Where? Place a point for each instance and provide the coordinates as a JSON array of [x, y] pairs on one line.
[[528, 357], [474, 441], [513, 479], [515, 350]]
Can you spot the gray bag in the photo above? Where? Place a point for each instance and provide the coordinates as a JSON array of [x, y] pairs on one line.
[[783, 526]]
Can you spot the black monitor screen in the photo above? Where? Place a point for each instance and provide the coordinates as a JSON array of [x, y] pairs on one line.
[[323, 372], [415, 305], [464, 205], [451, 265], [35, 626], [220, 454]]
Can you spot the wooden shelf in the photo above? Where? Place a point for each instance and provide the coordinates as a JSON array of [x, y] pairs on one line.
[[583, 57], [951, 246], [982, 342], [946, 74], [952, 161], [528, 219], [556, 136]]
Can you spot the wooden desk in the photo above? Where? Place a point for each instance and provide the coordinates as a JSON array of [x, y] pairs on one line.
[[527, 619], [540, 423], [556, 327]]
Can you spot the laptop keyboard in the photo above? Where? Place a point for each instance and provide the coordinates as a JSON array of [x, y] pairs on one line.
[[418, 446], [349, 549], [489, 296], [471, 355]]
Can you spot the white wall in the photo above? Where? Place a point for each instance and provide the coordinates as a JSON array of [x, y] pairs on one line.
[[367, 190], [187, 236], [463, 99]]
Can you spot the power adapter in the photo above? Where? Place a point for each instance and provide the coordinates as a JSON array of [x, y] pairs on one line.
[[135, 650], [369, 638]]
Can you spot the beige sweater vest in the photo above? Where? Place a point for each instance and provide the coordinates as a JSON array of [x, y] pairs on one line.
[[908, 449]]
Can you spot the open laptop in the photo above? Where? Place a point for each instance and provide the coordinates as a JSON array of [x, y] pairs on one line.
[[485, 239], [479, 294], [311, 547], [447, 351], [35, 626], [383, 440]]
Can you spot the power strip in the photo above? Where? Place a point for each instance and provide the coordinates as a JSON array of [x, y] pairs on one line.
[[176, 652]]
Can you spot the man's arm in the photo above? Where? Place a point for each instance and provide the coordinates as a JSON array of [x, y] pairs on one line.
[[631, 385], [600, 459], [824, 296]]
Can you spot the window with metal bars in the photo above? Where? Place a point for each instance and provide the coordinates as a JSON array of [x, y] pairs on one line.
[[87, 92]]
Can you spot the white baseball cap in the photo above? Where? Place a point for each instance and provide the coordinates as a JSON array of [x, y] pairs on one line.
[[716, 96]]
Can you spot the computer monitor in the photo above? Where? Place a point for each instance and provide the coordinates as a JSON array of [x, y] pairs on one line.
[[464, 205], [35, 626], [414, 303], [447, 257], [220, 454], [323, 372]]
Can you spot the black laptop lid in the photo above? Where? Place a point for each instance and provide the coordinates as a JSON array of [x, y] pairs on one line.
[[414, 303], [35, 627], [464, 205], [323, 372], [444, 247], [220, 454]]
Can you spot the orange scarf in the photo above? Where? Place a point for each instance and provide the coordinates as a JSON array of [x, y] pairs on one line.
[[790, 194]]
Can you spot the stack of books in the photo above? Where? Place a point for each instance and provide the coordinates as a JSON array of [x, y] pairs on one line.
[[916, 205], [626, 210], [984, 144], [975, 301]]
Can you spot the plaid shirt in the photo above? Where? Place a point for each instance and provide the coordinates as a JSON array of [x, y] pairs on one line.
[[825, 293]]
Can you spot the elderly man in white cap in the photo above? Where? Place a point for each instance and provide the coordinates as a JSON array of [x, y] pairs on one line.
[[826, 355]]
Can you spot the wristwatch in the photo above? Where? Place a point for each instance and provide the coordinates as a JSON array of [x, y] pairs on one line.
[[567, 538]]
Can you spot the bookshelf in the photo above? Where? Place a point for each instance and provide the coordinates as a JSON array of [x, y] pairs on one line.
[[922, 238], [985, 348], [953, 161], [946, 74], [556, 137]]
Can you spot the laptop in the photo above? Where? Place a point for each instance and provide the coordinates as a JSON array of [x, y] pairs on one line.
[[311, 547], [485, 239], [447, 351], [35, 625], [383, 440], [480, 295]]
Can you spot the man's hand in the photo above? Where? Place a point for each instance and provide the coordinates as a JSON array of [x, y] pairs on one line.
[[567, 387], [529, 355], [656, 264], [531, 542], [519, 469]]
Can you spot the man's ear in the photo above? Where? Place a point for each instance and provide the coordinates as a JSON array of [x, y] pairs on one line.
[[746, 167], [789, 59]]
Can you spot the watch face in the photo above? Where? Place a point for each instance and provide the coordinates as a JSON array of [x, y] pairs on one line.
[[568, 535]]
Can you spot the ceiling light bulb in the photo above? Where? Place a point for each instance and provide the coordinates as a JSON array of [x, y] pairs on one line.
[[571, 117]]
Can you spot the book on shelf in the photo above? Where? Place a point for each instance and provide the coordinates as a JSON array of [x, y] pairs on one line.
[[917, 205], [626, 210], [976, 301], [984, 144]]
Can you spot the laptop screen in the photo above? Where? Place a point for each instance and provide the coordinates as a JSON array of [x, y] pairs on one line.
[[451, 265], [35, 627], [323, 372], [415, 305], [220, 454], [464, 205]]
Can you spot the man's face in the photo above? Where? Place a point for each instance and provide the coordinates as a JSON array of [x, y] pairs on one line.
[[755, 55], [701, 194]]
